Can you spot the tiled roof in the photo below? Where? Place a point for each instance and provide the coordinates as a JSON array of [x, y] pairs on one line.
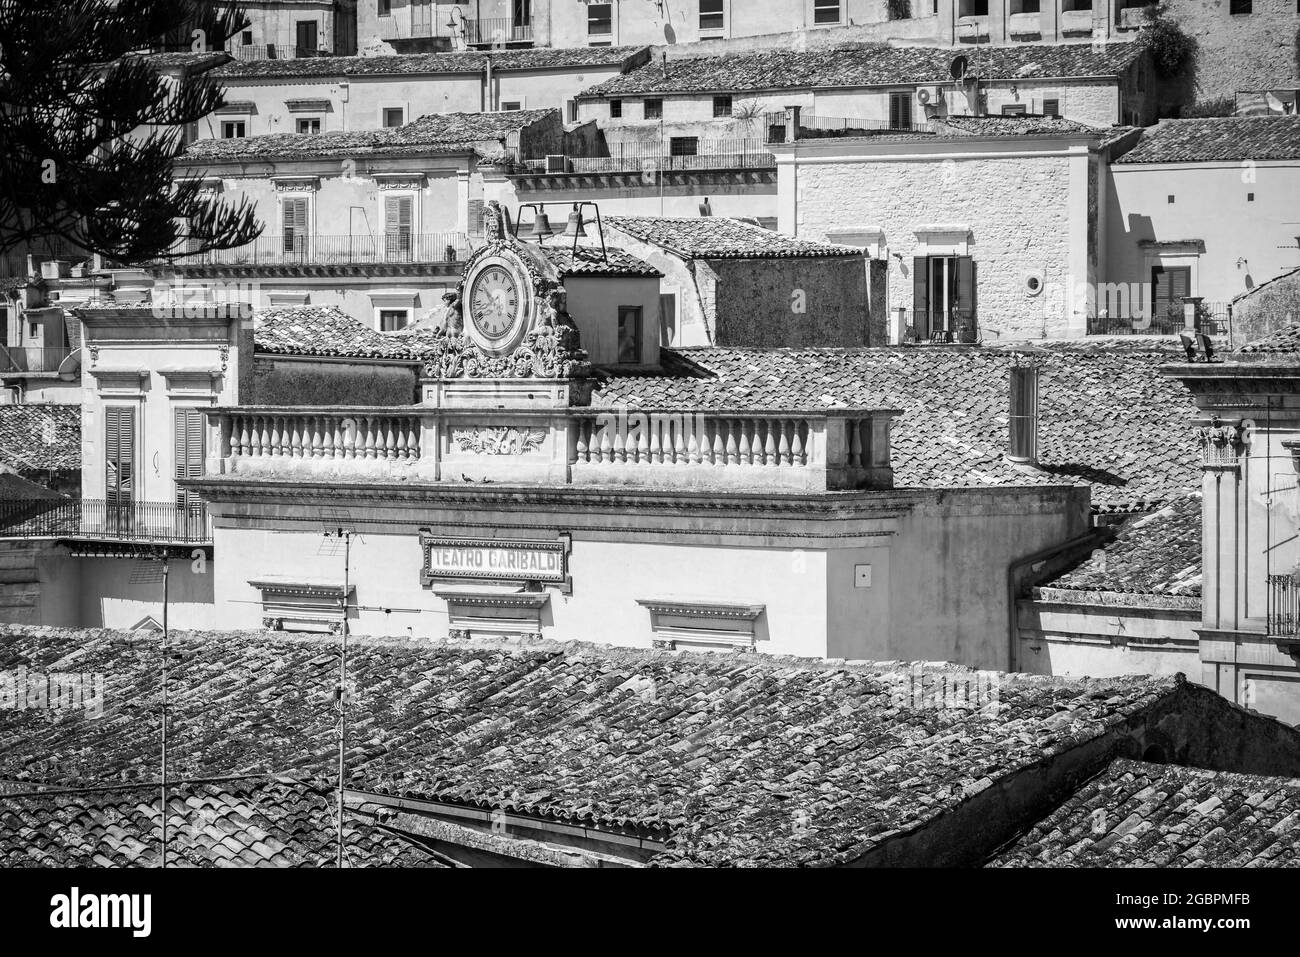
[[1108, 418], [242, 823], [1293, 272], [1158, 554], [1284, 341], [1160, 815], [1218, 140], [322, 331], [717, 237], [586, 261], [436, 133], [502, 61], [716, 755], [854, 65], [1013, 126], [40, 437]]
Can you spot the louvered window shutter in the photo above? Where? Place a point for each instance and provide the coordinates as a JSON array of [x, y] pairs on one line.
[[966, 286], [397, 225], [188, 454], [295, 225], [119, 455], [921, 295]]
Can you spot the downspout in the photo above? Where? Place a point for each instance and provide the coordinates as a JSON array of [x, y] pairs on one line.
[[1038, 563]]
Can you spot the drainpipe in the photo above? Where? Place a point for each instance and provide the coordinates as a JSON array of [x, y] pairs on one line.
[[1044, 560], [488, 100]]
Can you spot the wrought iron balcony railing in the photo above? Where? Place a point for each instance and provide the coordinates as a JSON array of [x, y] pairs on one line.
[[485, 32], [106, 521], [957, 326], [1283, 606]]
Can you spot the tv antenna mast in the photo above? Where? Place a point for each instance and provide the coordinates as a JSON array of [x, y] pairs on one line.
[[151, 570], [338, 532]]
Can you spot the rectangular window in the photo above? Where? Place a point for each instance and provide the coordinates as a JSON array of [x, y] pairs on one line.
[[119, 455], [233, 129], [722, 106], [571, 110], [711, 15], [385, 8], [188, 456], [684, 146], [510, 106], [975, 8], [308, 42], [1170, 285], [1240, 8], [308, 125], [391, 320], [654, 109], [615, 109], [943, 298], [295, 225], [826, 11], [1013, 109], [1051, 107], [1024, 6], [399, 213], [629, 334], [246, 38], [900, 111], [600, 19], [394, 116]]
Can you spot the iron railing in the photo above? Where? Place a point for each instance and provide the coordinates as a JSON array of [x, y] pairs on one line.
[[291, 250], [959, 326], [651, 158], [1212, 318], [101, 520], [1283, 605], [275, 51], [488, 31]]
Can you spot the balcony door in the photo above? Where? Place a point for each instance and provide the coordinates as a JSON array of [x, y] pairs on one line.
[[399, 218], [308, 40], [1170, 285], [188, 456], [422, 18], [119, 467], [944, 298], [295, 228]]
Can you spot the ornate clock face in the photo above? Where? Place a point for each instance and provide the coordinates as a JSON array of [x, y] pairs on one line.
[[495, 302]]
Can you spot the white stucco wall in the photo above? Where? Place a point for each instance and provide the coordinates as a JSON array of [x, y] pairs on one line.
[[1024, 204]]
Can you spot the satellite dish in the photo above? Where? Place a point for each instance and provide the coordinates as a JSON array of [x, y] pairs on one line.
[[957, 68], [670, 35]]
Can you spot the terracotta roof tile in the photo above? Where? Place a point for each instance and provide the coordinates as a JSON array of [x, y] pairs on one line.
[[435, 133], [861, 64], [1158, 554], [717, 237], [294, 828], [1160, 815], [323, 331], [1282, 342], [40, 437], [1219, 139], [503, 61], [716, 755], [1108, 418], [586, 261]]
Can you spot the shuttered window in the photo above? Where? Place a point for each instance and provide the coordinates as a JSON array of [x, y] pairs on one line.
[[900, 111], [398, 216], [188, 446], [119, 455], [943, 297], [1170, 286], [295, 225]]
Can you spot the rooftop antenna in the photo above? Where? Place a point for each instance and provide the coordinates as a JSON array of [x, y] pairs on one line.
[[336, 524], [152, 570]]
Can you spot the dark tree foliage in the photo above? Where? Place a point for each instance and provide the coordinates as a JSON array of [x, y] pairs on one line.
[[90, 126], [1172, 51]]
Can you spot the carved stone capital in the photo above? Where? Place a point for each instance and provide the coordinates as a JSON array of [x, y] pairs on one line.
[[1222, 444]]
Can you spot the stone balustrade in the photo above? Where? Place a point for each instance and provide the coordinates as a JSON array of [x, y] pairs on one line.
[[802, 452]]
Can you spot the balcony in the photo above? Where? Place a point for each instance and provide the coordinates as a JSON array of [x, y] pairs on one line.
[[556, 446], [811, 127], [273, 51], [21, 359], [289, 250], [485, 32], [161, 523], [1284, 610], [1077, 22], [1134, 17], [661, 157], [1026, 24], [1212, 318], [958, 327]]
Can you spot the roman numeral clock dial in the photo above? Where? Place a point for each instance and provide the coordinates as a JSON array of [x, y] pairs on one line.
[[494, 303]]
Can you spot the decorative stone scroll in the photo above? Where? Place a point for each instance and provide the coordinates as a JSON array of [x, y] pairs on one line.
[[498, 440], [550, 352], [1222, 444]]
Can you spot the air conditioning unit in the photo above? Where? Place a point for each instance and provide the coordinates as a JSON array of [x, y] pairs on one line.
[[929, 95], [557, 163]]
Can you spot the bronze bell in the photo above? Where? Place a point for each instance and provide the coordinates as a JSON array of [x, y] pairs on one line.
[[541, 227], [575, 227]]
